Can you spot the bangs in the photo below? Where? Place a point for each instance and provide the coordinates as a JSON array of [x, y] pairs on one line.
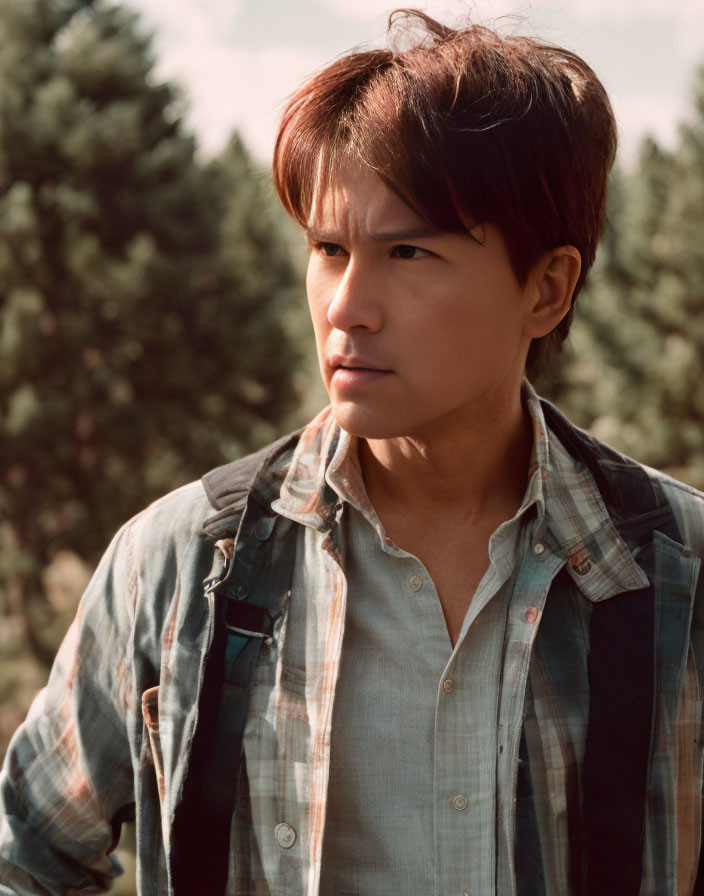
[[386, 122]]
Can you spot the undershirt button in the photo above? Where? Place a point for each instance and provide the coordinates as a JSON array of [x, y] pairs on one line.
[[285, 835]]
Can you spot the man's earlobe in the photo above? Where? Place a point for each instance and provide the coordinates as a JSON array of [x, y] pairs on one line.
[[554, 278]]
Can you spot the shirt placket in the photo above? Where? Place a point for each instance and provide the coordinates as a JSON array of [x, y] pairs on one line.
[[466, 738], [539, 567]]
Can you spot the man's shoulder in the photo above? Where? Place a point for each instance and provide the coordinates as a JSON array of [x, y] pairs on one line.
[[172, 538], [687, 504], [680, 490], [174, 518], [227, 486], [686, 501], [187, 511], [624, 482]]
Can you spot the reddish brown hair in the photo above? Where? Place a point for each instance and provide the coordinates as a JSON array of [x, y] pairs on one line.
[[466, 126]]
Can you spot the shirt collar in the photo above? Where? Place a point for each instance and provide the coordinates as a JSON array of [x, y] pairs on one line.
[[304, 496], [571, 518], [344, 474], [598, 559]]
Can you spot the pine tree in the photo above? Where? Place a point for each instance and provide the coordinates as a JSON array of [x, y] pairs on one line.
[[142, 338], [634, 371]]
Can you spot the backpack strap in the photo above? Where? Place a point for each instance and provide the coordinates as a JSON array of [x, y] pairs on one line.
[[614, 774], [621, 673], [249, 594]]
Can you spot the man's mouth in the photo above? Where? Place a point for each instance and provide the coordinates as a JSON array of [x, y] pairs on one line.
[[350, 376], [353, 362]]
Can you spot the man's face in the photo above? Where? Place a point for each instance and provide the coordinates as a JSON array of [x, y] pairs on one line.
[[413, 327]]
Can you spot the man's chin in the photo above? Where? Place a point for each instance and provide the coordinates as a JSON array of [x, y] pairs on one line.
[[368, 423]]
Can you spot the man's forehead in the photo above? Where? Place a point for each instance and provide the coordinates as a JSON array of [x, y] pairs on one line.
[[355, 196]]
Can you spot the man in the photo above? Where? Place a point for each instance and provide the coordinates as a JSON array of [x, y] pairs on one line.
[[452, 645]]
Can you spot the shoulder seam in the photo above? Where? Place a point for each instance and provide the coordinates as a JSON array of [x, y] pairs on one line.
[[230, 482], [681, 486]]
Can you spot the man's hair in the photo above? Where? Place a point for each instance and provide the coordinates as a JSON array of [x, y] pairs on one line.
[[467, 127]]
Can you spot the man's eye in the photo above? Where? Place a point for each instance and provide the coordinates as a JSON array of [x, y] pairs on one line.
[[410, 252], [330, 249]]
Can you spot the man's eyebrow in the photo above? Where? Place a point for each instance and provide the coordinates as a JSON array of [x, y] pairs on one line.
[[385, 236], [317, 236], [410, 233]]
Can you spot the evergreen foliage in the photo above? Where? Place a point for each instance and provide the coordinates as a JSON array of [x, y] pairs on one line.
[[144, 295], [633, 371]]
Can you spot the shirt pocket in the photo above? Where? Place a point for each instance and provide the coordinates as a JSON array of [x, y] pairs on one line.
[[150, 713]]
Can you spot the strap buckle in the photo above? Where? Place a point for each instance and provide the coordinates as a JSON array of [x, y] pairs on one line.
[[249, 620]]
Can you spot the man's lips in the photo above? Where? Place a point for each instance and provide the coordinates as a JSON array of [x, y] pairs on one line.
[[350, 372], [354, 362]]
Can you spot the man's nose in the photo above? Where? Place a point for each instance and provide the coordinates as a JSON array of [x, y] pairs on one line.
[[355, 301]]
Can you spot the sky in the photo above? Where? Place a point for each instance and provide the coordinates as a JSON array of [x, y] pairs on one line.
[[238, 60]]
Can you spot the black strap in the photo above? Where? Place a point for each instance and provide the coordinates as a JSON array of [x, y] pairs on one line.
[[614, 774], [699, 883], [528, 856], [246, 604], [203, 820], [621, 673], [227, 486], [199, 836], [248, 596]]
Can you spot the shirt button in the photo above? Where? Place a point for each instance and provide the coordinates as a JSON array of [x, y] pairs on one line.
[[459, 802], [285, 835], [531, 615], [538, 548], [416, 583], [447, 685]]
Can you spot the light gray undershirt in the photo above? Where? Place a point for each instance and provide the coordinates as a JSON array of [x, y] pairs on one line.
[[413, 776]]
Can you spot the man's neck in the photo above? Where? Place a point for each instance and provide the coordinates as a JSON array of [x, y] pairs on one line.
[[467, 466]]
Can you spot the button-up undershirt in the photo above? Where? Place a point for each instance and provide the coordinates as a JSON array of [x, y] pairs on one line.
[[414, 766]]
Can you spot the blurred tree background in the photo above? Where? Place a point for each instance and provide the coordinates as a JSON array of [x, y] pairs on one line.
[[152, 319], [633, 369], [150, 316], [151, 312]]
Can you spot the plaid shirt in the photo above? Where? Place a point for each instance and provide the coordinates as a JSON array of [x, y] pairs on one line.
[[115, 724]]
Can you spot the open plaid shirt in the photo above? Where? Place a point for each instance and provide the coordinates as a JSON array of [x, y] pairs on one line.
[[114, 725]]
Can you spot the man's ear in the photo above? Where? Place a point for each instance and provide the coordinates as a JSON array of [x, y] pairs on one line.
[[551, 284]]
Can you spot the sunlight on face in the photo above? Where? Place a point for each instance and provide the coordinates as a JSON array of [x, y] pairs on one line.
[[411, 324]]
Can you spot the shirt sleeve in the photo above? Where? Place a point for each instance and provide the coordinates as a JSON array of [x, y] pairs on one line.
[[67, 782]]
